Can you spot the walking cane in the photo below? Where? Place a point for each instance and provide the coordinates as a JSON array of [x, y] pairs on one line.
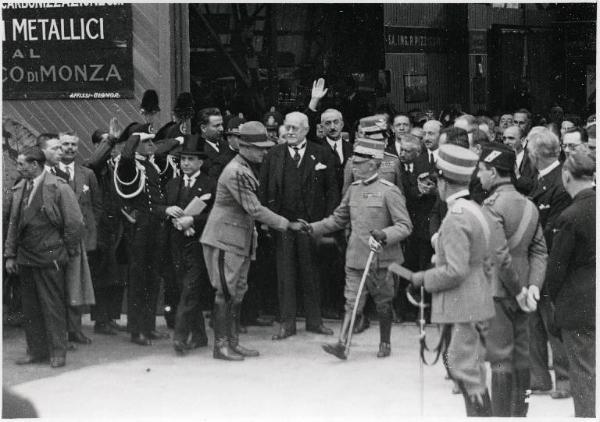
[[360, 289]]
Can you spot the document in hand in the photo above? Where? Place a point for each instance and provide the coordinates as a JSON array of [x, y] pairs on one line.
[[196, 205], [400, 270]]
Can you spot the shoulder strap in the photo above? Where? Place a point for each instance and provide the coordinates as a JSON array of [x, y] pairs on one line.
[[516, 238], [473, 209]]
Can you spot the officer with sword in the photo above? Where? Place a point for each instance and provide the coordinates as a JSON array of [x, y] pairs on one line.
[[375, 210]]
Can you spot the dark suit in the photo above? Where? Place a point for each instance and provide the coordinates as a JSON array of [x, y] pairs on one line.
[[217, 160], [528, 174], [549, 195], [571, 282], [109, 263], [187, 259], [42, 237], [317, 195]]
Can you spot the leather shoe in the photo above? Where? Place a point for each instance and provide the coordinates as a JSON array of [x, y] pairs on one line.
[[79, 337], [362, 323], [337, 349], [140, 339], [105, 329], [180, 347], [321, 329], [57, 362], [284, 333], [195, 343], [384, 350], [28, 359], [157, 335]]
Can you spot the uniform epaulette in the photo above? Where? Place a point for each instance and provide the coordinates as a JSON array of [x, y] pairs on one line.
[[358, 182], [386, 182], [456, 209], [491, 199], [389, 154]]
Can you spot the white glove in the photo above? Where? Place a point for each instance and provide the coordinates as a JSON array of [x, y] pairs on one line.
[[434, 240], [533, 297], [180, 140], [522, 300], [144, 136], [373, 244]]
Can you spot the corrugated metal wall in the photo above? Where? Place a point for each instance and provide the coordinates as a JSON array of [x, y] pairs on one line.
[[151, 63]]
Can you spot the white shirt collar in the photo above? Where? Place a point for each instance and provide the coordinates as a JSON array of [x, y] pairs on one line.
[[457, 195], [70, 166], [301, 148], [192, 176], [338, 147], [213, 144], [520, 156], [36, 182], [548, 169]]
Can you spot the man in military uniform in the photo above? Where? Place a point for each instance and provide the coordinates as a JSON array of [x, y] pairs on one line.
[[508, 338], [376, 212], [460, 283], [138, 182], [186, 251], [228, 241]]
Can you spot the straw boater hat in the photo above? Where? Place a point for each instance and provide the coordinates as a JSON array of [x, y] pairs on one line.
[[254, 134], [456, 163]]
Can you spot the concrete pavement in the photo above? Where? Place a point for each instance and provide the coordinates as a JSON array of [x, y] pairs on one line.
[[292, 380]]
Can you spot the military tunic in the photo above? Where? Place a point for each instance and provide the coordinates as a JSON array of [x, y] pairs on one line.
[[366, 206], [508, 338], [461, 288], [139, 184]]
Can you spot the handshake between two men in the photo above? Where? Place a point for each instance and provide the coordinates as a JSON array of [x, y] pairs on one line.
[[376, 240]]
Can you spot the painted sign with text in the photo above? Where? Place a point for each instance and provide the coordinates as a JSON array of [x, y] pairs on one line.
[[398, 39], [66, 50]]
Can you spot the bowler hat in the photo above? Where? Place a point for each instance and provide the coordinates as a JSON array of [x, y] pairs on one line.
[[456, 163], [192, 145], [150, 102], [254, 134], [233, 125], [498, 155]]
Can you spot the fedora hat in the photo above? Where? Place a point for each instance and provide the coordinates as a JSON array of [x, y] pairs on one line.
[[254, 134]]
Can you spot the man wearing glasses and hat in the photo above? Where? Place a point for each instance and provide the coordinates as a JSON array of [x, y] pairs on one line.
[[184, 234], [228, 241]]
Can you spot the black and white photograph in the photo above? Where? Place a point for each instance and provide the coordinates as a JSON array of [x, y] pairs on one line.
[[298, 211]]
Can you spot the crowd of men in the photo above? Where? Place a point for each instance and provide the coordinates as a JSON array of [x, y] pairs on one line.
[[494, 220]]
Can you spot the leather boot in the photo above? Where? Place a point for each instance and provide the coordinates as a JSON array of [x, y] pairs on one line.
[[521, 392], [234, 332], [476, 405], [385, 328], [221, 348], [339, 349], [501, 393]]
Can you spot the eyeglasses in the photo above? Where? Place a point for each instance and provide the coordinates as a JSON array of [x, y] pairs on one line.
[[517, 122]]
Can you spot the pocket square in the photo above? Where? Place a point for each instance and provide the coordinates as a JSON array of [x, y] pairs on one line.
[[85, 188], [320, 166], [544, 206]]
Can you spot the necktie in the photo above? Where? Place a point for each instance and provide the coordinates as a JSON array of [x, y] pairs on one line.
[[53, 170], [186, 181], [68, 171], [296, 156], [27, 192], [431, 160], [337, 156]]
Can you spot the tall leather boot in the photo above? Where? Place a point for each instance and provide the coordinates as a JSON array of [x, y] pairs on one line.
[[234, 332], [221, 348], [501, 393], [385, 328], [339, 349], [521, 391], [476, 406]]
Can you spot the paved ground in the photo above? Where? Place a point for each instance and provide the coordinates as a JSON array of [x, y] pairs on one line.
[[291, 380]]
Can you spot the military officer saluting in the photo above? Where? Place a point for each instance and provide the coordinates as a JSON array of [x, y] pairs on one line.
[[137, 180], [461, 282], [508, 336], [375, 210]]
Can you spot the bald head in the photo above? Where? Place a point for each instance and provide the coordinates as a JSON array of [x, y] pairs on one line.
[[513, 136]]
